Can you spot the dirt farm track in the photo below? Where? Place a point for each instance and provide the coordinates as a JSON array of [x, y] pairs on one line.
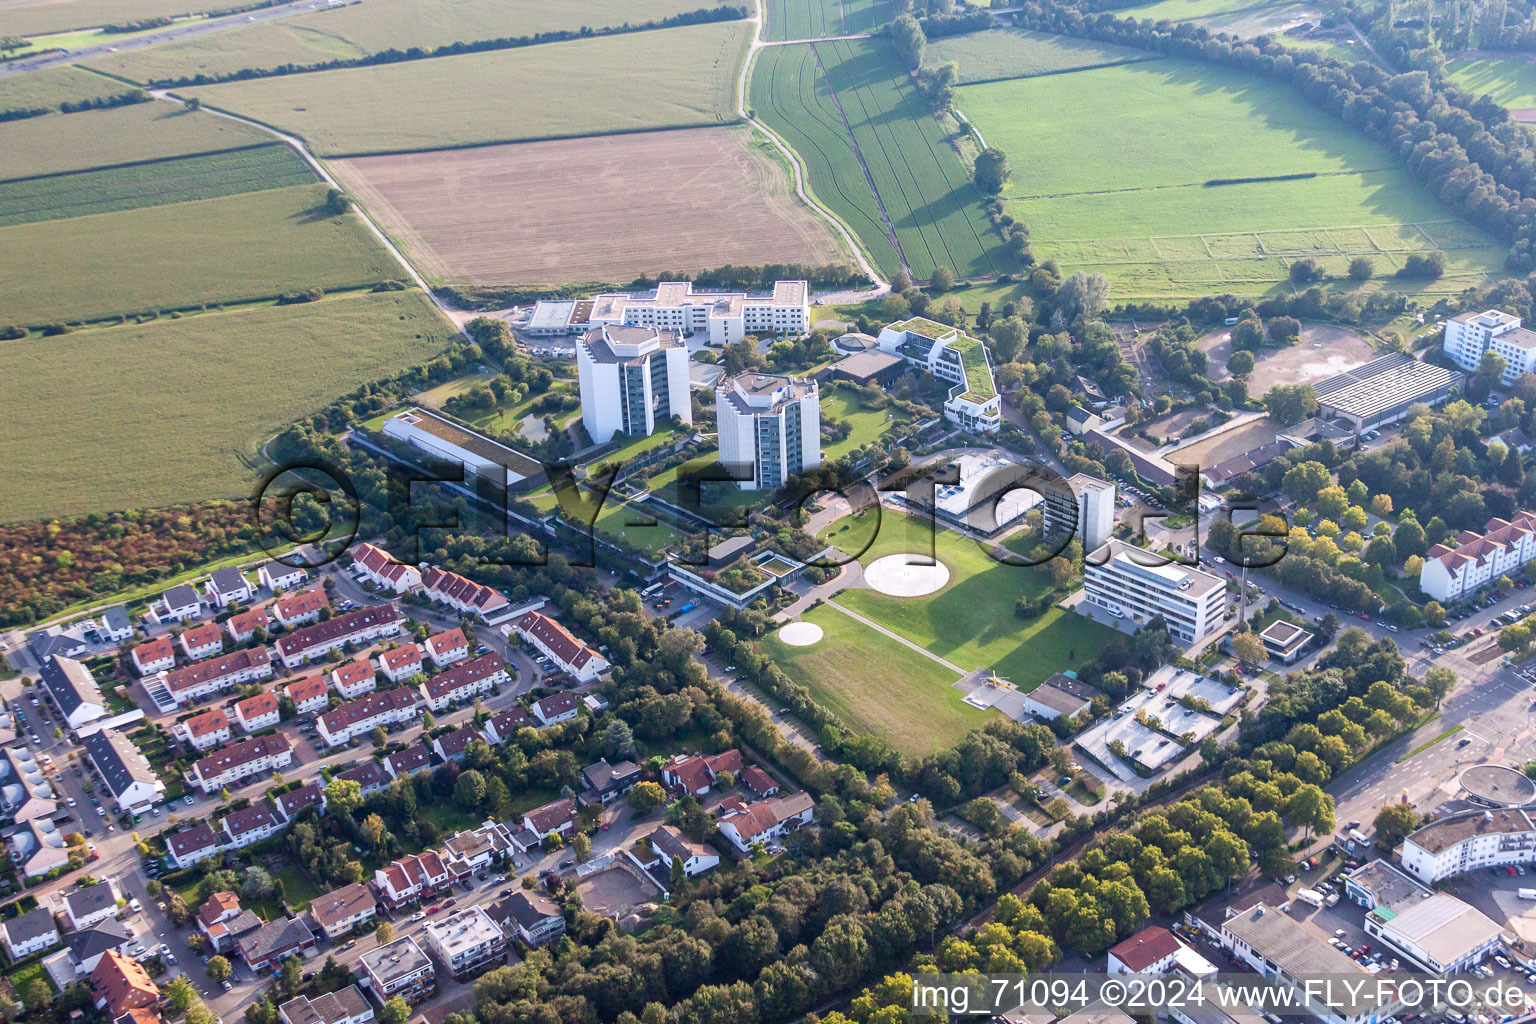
[[589, 209]]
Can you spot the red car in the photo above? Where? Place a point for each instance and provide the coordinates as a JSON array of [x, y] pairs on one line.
[[450, 902], [434, 908]]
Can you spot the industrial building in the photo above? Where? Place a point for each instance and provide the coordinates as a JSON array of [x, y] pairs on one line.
[[1382, 390]]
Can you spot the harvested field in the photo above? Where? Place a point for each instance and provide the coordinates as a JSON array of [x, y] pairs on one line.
[[576, 209], [674, 78], [173, 410], [358, 30], [155, 183], [52, 86], [104, 138], [1324, 350], [249, 246]]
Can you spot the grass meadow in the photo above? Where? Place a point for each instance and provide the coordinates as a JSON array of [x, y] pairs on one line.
[[52, 86], [156, 183], [105, 138], [877, 685], [819, 19], [37, 17], [1117, 166], [1511, 81], [667, 79], [868, 424], [833, 102], [971, 621], [143, 415], [1020, 53], [248, 246], [357, 30]]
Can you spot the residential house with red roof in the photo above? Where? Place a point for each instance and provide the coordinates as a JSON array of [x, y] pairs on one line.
[[696, 774], [556, 708], [365, 625], [447, 647], [214, 915], [242, 626], [240, 761], [341, 725], [209, 729], [202, 641], [744, 824], [411, 878], [464, 682], [191, 845], [119, 984], [450, 746], [309, 695], [299, 608], [203, 679], [257, 713], [400, 663], [354, 679], [502, 727], [759, 782], [1451, 571], [557, 644], [157, 655], [249, 825], [402, 764], [462, 594], [290, 803], [1150, 951], [375, 564], [341, 910], [554, 818]]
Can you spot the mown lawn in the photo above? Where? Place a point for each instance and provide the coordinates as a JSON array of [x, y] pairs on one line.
[[1511, 81], [876, 685], [868, 424], [102, 434], [673, 78], [298, 890]]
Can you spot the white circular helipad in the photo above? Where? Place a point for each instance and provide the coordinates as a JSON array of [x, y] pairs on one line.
[[898, 576], [800, 634]]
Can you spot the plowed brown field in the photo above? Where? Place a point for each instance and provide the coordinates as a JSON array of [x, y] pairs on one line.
[[603, 208]]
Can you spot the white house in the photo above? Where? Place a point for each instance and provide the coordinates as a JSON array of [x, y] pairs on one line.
[[375, 564], [202, 641], [73, 690], [364, 625], [462, 594], [30, 933], [130, 780], [259, 712], [151, 656], [277, 576], [557, 644], [744, 824], [205, 731], [249, 825], [447, 647], [1451, 571], [955, 357], [178, 604], [300, 607], [555, 709], [400, 663], [241, 760], [309, 695], [354, 678], [206, 678], [227, 586], [463, 683], [670, 843]]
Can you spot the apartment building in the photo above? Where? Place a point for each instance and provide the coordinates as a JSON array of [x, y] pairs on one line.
[[1452, 571], [1470, 336], [769, 428], [464, 682], [955, 357], [240, 761], [1461, 843], [1129, 583], [557, 644], [73, 691], [467, 941], [365, 625], [130, 780], [360, 717], [632, 378], [399, 969], [205, 731]]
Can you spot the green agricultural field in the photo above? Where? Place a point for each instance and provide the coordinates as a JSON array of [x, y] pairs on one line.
[[236, 248], [104, 138], [970, 622], [877, 685], [157, 183], [1511, 81], [1243, 17], [358, 30], [36, 17], [805, 93], [673, 78], [52, 86], [819, 19], [100, 432], [868, 424], [1019, 53], [1118, 165]]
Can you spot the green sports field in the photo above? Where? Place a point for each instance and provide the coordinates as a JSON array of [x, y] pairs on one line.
[[173, 410], [157, 183], [839, 101], [105, 138], [1119, 174], [1511, 81], [672, 78], [248, 246], [877, 685], [971, 621], [1019, 53], [360, 29], [819, 19]]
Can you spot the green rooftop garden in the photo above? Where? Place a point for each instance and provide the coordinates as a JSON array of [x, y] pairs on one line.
[[923, 327], [978, 375]]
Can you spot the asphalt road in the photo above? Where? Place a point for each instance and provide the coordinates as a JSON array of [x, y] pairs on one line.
[[171, 33]]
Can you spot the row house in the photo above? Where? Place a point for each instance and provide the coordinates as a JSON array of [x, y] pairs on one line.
[[359, 627], [259, 712], [360, 717], [194, 844], [411, 878], [555, 709], [354, 679], [744, 824], [400, 663], [447, 647], [202, 641], [402, 764], [462, 594], [240, 761], [1477, 559], [152, 656], [696, 774], [205, 731], [277, 576], [249, 825], [501, 728], [242, 626], [370, 777], [293, 802], [463, 683], [229, 586], [301, 608], [343, 910], [450, 746], [206, 678], [376, 565], [557, 644], [309, 695]]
